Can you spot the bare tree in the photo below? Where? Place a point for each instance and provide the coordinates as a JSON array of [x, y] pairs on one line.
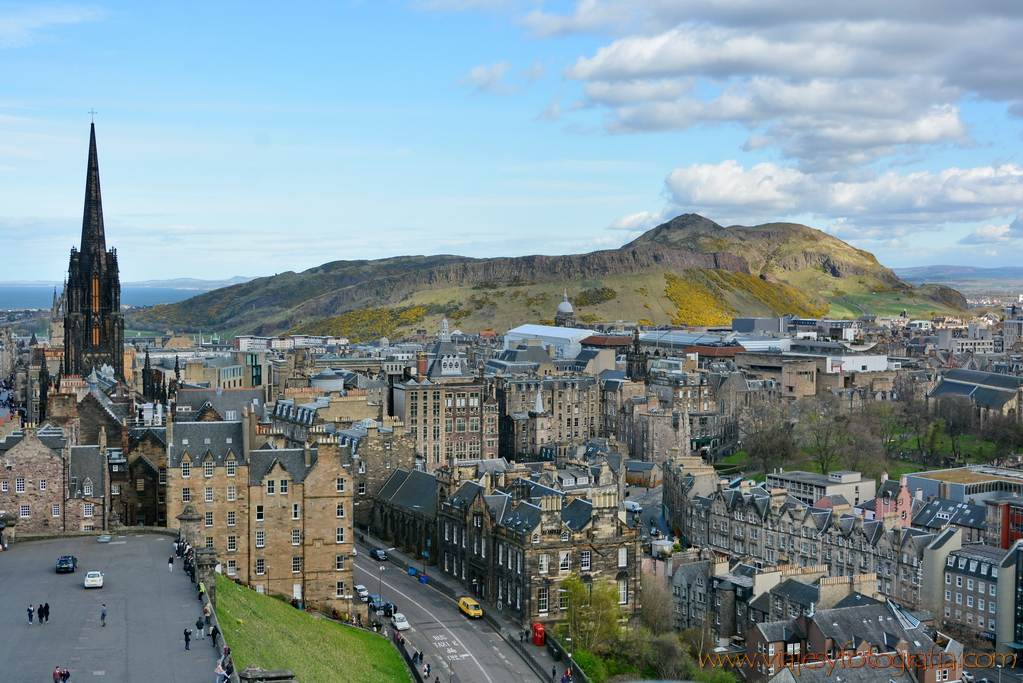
[[957, 417], [821, 430], [767, 435], [658, 604]]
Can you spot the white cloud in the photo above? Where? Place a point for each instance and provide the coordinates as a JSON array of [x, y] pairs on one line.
[[884, 206], [988, 234], [552, 112], [638, 222], [488, 78], [534, 72], [24, 26]]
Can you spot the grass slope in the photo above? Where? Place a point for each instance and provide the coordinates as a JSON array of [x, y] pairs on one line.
[[263, 631]]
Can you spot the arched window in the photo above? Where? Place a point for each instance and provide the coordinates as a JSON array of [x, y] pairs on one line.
[[536, 538]]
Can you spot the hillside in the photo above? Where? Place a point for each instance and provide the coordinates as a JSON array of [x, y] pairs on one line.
[[687, 271]]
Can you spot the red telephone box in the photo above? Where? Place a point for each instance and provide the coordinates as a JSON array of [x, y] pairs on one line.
[[539, 637]]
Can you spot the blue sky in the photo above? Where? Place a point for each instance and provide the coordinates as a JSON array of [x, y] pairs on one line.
[[254, 138]]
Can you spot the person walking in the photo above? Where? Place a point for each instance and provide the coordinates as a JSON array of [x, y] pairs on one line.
[[64, 675], [56, 674], [198, 629], [554, 673], [206, 613], [202, 590], [31, 611], [170, 563], [46, 612], [188, 637], [214, 632], [103, 616]]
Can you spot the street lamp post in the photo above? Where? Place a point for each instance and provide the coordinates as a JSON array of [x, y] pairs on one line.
[[380, 582]]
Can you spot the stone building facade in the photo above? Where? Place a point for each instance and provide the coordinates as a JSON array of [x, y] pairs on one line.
[[452, 418], [511, 544], [571, 402]]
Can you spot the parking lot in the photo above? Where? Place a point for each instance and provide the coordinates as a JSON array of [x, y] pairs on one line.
[[148, 608]]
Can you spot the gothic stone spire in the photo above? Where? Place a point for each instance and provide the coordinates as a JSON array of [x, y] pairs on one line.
[[94, 242]]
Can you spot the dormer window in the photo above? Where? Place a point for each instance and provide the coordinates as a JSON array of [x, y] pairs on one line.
[[87, 489], [536, 538], [564, 535]]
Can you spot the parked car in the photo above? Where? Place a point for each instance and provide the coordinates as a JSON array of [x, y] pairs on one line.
[[378, 554], [384, 609], [372, 599], [68, 563], [362, 592], [400, 622], [94, 580], [470, 608]]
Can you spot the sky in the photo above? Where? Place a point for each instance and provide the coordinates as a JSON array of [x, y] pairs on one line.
[[253, 138]]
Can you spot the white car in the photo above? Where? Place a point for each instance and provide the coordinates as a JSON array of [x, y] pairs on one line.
[[400, 622], [362, 592], [94, 580]]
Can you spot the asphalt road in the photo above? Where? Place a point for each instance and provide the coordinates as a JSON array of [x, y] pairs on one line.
[[147, 611], [452, 642]]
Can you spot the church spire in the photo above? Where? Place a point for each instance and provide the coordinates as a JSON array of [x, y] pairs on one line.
[[94, 242]]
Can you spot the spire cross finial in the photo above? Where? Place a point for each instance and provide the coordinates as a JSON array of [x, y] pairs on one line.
[[92, 113]]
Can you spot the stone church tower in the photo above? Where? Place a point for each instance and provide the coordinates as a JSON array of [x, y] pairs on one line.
[[93, 324]]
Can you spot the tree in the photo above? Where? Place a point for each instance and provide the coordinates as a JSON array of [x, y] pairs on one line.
[[593, 613], [957, 417], [1004, 434], [918, 421], [821, 430], [658, 604], [864, 452], [889, 424], [767, 435]]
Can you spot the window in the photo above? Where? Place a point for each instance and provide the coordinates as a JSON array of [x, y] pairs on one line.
[[542, 595], [584, 561], [25, 511], [87, 510], [3, 486], [340, 511], [232, 468], [284, 487], [186, 495], [209, 494], [230, 415], [991, 590], [623, 557], [623, 591], [140, 485], [271, 487], [261, 566], [362, 467], [19, 485], [186, 469], [230, 518], [948, 579], [296, 537], [296, 511], [565, 561], [948, 596], [543, 562], [362, 488], [115, 489], [232, 493], [969, 584], [341, 589], [959, 581], [260, 539], [207, 469], [209, 519], [339, 485], [232, 544], [55, 510], [536, 538], [42, 484], [339, 563], [259, 513], [339, 534]]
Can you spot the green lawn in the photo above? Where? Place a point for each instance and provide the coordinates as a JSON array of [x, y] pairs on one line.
[[263, 631]]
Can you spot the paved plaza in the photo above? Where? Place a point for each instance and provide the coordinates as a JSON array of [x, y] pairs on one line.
[[148, 608]]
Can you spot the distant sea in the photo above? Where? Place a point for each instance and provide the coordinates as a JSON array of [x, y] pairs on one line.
[[42, 297]]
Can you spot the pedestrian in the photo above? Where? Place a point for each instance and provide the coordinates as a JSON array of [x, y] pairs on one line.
[[170, 563], [47, 608], [103, 616], [198, 629], [214, 632], [56, 674], [202, 590], [436, 680], [426, 670], [206, 613], [188, 637], [221, 674], [554, 673], [64, 675], [31, 611]]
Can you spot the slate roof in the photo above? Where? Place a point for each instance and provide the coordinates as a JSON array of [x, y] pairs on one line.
[[416, 491], [86, 465], [797, 592], [292, 460], [856, 599], [196, 434], [577, 514], [939, 512], [222, 400], [50, 436]]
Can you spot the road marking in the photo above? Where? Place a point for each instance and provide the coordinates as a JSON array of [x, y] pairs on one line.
[[442, 625]]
